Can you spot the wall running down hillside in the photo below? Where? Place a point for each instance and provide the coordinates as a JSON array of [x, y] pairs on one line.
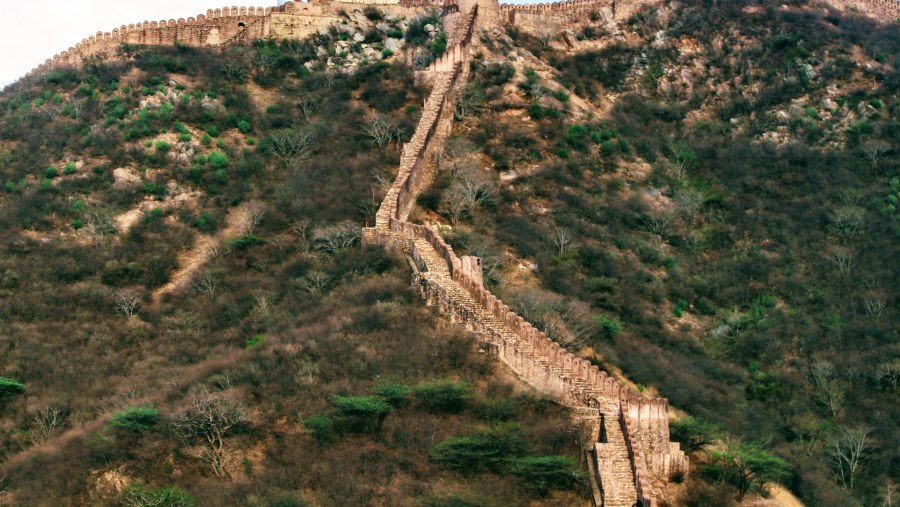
[[633, 457]]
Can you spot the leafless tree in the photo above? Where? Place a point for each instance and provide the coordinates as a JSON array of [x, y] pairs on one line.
[[843, 258], [313, 283], [255, 214], [210, 418], [47, 423], [849, 451], [100, 224], [564, 321], [657, 223], [689, 202], [874, 305], [75, 107], [381, 129], [848, 222], [452, 205], [206, 284], [128, 302], [564, 240], [875, 151], [308, 105], [337, 237], [234, 72], [291, 146], [827, 388]]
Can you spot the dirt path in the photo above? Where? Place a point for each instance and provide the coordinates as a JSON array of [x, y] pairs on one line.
[[191, 261]]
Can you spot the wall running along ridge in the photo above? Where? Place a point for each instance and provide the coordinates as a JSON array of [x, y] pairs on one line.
[[232, 25], [633, 455]]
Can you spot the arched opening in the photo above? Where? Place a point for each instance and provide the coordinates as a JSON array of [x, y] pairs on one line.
[[241, 24]]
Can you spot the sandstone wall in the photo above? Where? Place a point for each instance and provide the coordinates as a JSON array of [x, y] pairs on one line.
[[227, 25]]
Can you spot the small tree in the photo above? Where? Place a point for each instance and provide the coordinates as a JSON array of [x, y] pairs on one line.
[[210, 419], [381, 130], [746, 466], [443, 395], [337, 237], [128, 303], [543, 473], [849, 449], [46, 423], [10, 387], [361, 413], [291, 146], [694, 433], [135, 419]]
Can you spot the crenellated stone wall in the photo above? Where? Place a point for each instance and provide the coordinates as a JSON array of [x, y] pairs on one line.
[[454, 285]]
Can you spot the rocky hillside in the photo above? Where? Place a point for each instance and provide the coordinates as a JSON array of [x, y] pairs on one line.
[[700, 199], [705, 197]]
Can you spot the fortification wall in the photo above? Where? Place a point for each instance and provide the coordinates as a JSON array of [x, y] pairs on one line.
[[225, 25]]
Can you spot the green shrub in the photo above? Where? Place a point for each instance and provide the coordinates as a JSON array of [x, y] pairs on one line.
[[135, 419], [218, 160], [395, 394], [206, 140], [443, 395], [544, 473], [491, 449], [77, 224], [680, 306], [246, 241], [244, 126], [69, 168], [361, 413], [163, 146], [320, 426], [137, 495], [609, 148], [252, 342], [608, 325], [10, 387], [51, 173]]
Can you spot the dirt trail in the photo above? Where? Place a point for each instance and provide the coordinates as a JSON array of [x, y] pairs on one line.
[[191, 261]]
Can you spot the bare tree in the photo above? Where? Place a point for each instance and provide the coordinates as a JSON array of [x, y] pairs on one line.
[[234, 72], [308, 105], [657, 223], [337, 237], [874, 305], [888, 375], [291, 146], [313, 283], [470, 102], [263, 60], [848, 222], [565, 321], [843, 258], [100, 224], [206, 284], [564, 240], [848, 453], [827, 389], [689, 202], [381, 129], [128, 302], [875, 151], [47, 423], [210, 418], [255, 214], [452, 205]]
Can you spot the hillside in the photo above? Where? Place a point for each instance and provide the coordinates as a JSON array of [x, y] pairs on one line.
[[206, 256]]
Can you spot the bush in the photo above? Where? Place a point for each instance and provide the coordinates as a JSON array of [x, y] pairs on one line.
[[543, 473], [244, 126], [163, 146], [51, 173], [69, 168], [320, 426], [443, 395], [361, 413], [395, 394], [167, 496], [218, 160], [608, 325], [10, 387], [492, 449], [135, 419]]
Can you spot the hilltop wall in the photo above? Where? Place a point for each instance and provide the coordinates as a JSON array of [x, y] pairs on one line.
[[227, 25]]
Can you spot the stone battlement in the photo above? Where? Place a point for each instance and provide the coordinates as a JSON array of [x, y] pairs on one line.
[[230, 25]]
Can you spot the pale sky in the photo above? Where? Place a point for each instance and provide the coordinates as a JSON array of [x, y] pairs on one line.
[[35, 30]]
